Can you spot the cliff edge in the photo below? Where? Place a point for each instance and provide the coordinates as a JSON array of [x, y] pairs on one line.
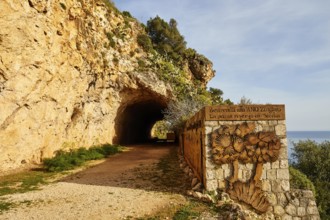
[[72, 74]]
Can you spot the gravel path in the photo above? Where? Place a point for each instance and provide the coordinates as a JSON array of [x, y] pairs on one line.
[[129, 185]]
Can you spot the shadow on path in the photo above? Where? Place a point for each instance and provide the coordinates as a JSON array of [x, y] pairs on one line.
[[151, 167]]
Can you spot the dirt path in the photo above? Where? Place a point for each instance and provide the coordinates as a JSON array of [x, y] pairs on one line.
[[129, 185]]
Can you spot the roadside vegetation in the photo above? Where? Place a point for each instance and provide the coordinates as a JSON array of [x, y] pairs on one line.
[[64, 160], [180, 67], [192, 210], [32, 180], [313, 160]]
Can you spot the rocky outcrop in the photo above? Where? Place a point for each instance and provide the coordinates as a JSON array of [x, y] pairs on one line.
[[68, 69], [201, 68]]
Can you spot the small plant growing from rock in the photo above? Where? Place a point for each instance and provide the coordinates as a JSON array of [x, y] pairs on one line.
[[63, 6]]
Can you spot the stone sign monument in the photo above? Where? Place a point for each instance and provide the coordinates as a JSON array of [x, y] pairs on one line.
[[242, 150]]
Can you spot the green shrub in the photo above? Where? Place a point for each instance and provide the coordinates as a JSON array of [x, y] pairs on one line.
[[166, 38], [189, 211], [298, 180], [110, 38], [141, 64], [4, 206], [68, 160], [145, 42], [63, 6], [127, 14], [111, 6], [313, 159], [115, 60]]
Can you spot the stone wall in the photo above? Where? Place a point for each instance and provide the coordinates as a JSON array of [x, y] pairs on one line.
[[253, 172]]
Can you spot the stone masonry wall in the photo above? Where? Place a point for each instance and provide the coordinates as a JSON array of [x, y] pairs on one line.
[[227, 169]]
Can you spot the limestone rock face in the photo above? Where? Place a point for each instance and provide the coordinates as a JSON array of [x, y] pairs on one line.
[[68, 69], [201, 68]]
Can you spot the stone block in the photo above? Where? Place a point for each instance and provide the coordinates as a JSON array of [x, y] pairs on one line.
[[268, 128], [295, 202], [246, 174], [286, 217], [281, 199], [280, 130], [222, 184], [266, 186], [291, 209], [219, 173], [285, 185], [312, 203], [211, 123], [275, 165], [312, 210], [211, 185], [301, 211], [284, 164], [210, 174], [271, 174], [208, 130], [284, 142], [303, 202], [272, 123], [263, 123], [296, 218], [276, 186], [272, 199], [227, 173], [278, 210], [308, 194], [267, 166], [315, 217], [249, 166], [281, 122], [258, 128], [209, 164], [283, 154]]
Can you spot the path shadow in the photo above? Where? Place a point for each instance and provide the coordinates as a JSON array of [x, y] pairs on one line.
[[152, 167]]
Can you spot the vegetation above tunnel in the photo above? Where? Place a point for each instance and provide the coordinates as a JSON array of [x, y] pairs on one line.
[[183, 69]]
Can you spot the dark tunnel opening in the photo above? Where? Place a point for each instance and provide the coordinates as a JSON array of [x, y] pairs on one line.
[[135, 121]]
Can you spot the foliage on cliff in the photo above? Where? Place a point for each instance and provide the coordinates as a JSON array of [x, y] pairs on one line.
[[183, 68], [313, 159]]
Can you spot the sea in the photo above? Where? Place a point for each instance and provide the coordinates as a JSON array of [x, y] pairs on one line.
[[296, 136]]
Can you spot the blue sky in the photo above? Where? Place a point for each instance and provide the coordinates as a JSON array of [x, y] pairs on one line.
[[271, 51]]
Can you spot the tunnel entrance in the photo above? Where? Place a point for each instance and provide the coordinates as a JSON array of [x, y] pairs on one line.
[[135, 120]]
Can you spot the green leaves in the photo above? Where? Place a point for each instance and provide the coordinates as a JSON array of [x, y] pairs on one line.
[[68, 160], [313, 159], [166, 38], [298, 180], [145, 42]]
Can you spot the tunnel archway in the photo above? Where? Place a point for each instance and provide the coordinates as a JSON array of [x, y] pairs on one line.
[[136, 117]]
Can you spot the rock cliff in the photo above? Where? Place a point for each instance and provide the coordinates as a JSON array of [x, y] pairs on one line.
[[70, 76]]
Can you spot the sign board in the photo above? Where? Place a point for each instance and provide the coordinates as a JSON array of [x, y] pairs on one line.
[[244, 112]]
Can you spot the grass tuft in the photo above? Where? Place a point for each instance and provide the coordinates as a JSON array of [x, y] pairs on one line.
[[69, 160], [187, 212], [22, 182], [4, 206]]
